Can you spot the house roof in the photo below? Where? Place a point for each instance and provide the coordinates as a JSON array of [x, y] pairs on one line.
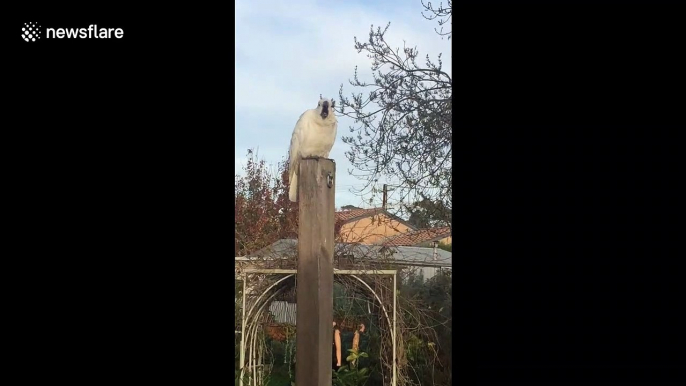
[[417, 237], [402, 254], [352, 214], [347, 216]]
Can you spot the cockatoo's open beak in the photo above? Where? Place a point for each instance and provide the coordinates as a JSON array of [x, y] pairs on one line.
[[325, 110]]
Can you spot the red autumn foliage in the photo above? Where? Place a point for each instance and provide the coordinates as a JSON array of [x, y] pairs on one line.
[[263, 212]]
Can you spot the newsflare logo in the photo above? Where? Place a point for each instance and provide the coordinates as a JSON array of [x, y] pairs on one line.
[[31, 32]]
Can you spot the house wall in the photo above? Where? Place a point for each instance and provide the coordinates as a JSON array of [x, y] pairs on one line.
[[447, 240], [369, 230]]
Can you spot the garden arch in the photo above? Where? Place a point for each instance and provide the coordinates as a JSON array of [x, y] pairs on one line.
[[250, 319]]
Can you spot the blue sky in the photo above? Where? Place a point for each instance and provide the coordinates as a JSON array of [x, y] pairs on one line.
[[290, 52]]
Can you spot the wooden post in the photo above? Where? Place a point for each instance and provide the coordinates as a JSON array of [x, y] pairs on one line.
[[314, 317]]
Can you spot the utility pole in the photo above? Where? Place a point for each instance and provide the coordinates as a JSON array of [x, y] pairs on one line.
[[314, 297], [384, 199]]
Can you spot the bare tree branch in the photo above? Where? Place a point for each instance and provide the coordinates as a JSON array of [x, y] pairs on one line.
[[403, 120]]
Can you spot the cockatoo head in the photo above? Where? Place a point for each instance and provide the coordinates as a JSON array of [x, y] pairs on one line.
[[325, 107]]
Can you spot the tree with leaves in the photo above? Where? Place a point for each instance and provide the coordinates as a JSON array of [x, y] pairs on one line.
[[403, 118], [263, 212], [429, 214]]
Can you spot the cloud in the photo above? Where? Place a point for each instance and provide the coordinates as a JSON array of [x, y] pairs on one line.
[[287, 53]]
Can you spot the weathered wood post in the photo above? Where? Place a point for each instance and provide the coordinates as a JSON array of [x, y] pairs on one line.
[[314, 339]]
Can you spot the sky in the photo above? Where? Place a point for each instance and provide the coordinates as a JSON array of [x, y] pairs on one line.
[[290, 52]]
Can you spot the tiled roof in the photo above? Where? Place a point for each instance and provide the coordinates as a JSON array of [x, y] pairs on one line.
[[417, 237], [347, 215]]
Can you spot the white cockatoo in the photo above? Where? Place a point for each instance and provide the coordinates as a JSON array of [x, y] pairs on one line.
[[313, 136]]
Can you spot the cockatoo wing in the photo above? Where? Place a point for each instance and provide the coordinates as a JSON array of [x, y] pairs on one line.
[[294, 157], [335, 129]]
